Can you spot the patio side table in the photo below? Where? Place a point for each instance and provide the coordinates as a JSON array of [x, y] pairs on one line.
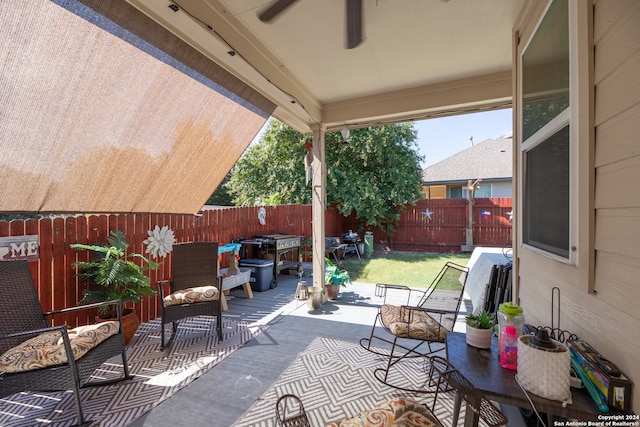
[[482, 368], [230, 282]]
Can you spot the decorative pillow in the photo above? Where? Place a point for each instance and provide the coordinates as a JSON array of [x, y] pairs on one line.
[[399, 412], [422, 326], [191, 295], [47, 349]]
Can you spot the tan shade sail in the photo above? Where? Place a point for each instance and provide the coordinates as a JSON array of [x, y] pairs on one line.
[[102, 110]]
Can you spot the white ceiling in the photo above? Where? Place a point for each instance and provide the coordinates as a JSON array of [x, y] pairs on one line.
[[419, 58]]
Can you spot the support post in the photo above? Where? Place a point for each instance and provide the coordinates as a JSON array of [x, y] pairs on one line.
[[471, 190], [318, 203]]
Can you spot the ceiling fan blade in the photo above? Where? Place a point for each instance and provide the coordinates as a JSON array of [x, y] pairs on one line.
[[275, 9], [354, 23]]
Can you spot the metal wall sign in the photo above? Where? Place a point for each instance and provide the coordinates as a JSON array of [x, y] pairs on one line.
[[19, 247]]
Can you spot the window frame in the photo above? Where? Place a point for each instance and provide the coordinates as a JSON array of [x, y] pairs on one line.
[[480, 195], [570, 117], [456, 188]]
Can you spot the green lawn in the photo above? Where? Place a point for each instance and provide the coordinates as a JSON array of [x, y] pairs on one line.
[[400, 268]]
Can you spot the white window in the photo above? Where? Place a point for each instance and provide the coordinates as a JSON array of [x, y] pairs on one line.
[[548, 183], [455, 192], [483, 190]]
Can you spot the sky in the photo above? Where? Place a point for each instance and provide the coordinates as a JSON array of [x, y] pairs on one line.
[[442, 137]]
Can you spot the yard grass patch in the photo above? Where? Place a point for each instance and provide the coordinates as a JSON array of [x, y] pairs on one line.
[[416, 270]]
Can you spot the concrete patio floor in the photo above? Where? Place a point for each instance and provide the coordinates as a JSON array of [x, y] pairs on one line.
[[226, 392]]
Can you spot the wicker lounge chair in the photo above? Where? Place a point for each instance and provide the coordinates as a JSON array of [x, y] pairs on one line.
[[34, 354], [194, 289], [405, 411], [412, 329], [397, 412]]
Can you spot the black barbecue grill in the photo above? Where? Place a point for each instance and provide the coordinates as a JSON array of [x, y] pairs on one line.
[[351, 239]]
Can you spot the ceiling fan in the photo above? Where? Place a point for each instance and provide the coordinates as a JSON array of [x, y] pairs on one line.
[[354, 18]]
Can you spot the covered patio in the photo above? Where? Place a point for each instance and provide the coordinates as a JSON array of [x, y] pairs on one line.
[[162, 97], [225, 394], [239, 381]]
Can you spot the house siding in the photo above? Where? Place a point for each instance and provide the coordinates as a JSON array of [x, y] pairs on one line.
[[617, 168], [606, 313], [498, 189]]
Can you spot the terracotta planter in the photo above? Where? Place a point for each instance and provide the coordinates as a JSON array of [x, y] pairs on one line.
[[479, 338], [130, 323], [332, 292]]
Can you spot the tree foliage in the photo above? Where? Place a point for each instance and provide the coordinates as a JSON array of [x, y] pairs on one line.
[[271, 172], [374, 175], [221, 196]]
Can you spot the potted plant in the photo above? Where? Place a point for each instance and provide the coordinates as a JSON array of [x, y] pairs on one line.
[[112, 275], [480, 329], [334, 279]]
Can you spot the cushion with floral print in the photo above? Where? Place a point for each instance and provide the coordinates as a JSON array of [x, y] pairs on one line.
[[398, 412], [416, 324], [191, 295], [47, 349]]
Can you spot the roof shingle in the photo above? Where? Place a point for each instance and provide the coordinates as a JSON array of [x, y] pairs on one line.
[[490, 159]]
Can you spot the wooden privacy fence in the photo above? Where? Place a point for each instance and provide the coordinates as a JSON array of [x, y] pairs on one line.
[[55, 277], [59, 288], [440, 225]]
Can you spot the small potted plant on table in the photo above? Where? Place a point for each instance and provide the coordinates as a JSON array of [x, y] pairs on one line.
[[113, 275], [480, 329]]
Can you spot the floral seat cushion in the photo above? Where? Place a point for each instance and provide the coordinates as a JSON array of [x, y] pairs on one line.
[[399, 412], [47, 349], [191, 295], [416, 324]]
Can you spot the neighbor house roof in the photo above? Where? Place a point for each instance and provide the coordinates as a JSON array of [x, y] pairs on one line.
[[490, 159]]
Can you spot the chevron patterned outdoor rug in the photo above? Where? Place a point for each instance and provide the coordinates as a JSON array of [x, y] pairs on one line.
[[158, 375], [335, 380]]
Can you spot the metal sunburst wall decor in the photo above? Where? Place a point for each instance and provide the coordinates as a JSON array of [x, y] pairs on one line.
[[160, 241]]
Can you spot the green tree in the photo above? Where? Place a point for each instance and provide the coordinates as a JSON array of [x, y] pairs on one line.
[[221, 196], [271, 172], [374, 175]]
